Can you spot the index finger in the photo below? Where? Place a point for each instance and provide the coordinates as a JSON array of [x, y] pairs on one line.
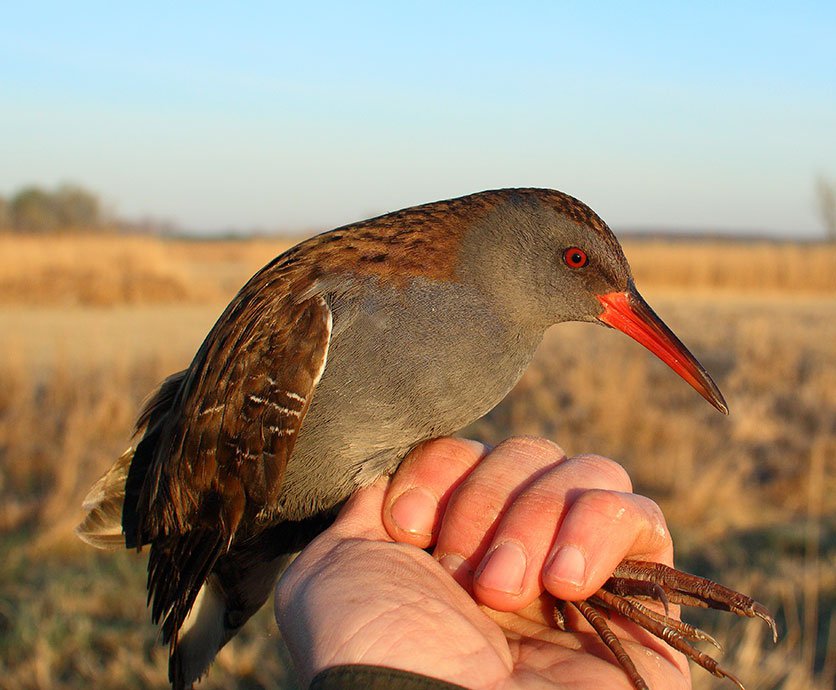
[[419, 490]]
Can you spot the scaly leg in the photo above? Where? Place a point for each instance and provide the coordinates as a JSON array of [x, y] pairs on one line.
[[647, 580]]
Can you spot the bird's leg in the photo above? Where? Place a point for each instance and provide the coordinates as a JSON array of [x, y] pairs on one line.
[[686, 589], [671, 631], [596, 620], [686, 630], [655, 581]]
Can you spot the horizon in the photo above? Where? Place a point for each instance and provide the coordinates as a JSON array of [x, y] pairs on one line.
[[284, 119]]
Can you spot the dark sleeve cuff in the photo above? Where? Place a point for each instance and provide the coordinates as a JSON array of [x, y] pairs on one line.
[[361, 677]]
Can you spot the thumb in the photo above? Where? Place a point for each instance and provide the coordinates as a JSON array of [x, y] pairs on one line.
[[362, 515]]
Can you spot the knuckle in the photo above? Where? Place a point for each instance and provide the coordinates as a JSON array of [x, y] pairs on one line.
[[638, 514], [532, 447], [604, 503], [507, 475], [477, 497], [655, 518], [537, 501], [441, 452], [614, 474], [450, 447]]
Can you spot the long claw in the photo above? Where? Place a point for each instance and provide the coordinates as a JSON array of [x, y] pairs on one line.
[[559, 615], [763, 613], [692, 590]]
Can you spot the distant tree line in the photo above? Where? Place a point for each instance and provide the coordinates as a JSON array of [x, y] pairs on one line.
[[36, 210]]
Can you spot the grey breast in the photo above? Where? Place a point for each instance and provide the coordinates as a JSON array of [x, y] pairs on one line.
[[403, 366]]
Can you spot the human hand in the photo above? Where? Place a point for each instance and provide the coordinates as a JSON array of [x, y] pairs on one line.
[[362, 594]]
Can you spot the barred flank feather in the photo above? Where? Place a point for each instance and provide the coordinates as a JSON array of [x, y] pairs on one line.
[[214, 444]]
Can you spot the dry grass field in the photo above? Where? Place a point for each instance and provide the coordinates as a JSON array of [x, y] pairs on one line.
[[89, 325]]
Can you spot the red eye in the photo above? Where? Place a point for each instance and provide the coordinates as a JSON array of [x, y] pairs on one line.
[[575, 258]]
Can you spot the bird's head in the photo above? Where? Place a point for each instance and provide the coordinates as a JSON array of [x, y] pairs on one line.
[[548, 258]]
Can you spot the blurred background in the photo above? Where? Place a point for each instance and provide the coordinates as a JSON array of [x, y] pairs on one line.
[[153, 157]]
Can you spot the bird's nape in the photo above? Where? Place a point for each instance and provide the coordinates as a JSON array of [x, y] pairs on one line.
[[628, 312]]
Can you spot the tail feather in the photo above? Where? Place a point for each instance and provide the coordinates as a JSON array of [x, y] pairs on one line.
[[200, 592], [160, 402], [150, 420], [102, 524], [177, 567]]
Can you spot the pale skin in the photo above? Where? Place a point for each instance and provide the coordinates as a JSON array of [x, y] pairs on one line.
[[500, 533]]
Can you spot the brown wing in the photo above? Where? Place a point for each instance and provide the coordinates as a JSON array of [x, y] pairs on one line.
[[242, 412], [221, 453]]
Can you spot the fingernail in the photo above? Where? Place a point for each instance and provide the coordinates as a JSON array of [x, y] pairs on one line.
[[477, 446], [568, 565], [504, 569], [455, 565], [414, 511]]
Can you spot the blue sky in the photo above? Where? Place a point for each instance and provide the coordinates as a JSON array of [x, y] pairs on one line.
[[277, 116]]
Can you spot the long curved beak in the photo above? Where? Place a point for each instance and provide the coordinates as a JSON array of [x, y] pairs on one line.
[[628, 312]]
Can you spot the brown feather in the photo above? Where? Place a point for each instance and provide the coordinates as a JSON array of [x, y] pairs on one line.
[[212, 468], [102, 523], [218, 437], [421, 240]]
